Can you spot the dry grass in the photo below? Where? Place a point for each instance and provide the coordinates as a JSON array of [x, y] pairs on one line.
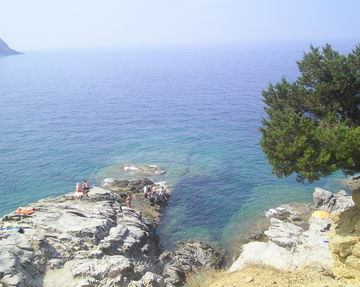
[[199, 278], [264, 276]]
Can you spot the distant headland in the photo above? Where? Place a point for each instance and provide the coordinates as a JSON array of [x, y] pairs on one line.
[[5, 50]]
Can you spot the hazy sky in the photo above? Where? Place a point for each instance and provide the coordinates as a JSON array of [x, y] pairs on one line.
[[43, 24]]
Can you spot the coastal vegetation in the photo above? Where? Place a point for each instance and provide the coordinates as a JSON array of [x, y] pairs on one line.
[[312, 125]]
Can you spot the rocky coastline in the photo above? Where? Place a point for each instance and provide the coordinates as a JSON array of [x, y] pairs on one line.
[[323, 238], [97, 241]]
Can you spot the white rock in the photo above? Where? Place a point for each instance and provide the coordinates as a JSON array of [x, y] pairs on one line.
[[284, 234], [263, 253], [109, 266], [327, 201]]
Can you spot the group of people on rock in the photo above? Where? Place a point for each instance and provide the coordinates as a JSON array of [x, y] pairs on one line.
[[82, 190], [151, 192], [155, 196]]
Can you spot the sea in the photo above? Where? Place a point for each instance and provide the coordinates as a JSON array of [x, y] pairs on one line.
[[193, 110]]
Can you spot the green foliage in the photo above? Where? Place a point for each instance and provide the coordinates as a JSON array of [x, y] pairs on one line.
[[312, 127]]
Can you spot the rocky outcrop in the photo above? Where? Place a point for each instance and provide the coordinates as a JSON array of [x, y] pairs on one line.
[[93, 241], [187, 258], [327, 201], [291, 245], [121, 188], [177, 264], [285, 234], [5, 50]]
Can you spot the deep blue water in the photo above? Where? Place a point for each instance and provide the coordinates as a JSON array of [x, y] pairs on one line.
[[194, 111]]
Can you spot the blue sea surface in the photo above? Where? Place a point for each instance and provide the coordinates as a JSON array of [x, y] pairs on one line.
[[194, 111]]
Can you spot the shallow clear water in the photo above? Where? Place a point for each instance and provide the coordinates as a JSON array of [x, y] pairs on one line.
[[194, 111]]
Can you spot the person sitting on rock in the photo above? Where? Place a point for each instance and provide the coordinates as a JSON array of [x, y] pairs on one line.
[[85, 187], [78, 192]]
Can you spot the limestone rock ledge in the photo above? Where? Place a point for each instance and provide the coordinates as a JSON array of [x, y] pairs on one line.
[[90, 242], [320, 246]]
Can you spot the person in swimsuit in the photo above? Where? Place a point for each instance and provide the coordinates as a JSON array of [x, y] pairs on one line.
[[85, 186]]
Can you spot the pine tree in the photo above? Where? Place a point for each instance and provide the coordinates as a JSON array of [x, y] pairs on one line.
[[312, 126]]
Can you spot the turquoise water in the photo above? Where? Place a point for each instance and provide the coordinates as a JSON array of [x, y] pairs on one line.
[[194, 111]]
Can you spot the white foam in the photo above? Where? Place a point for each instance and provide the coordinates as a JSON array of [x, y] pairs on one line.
[[273, 211], [130, 167]]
